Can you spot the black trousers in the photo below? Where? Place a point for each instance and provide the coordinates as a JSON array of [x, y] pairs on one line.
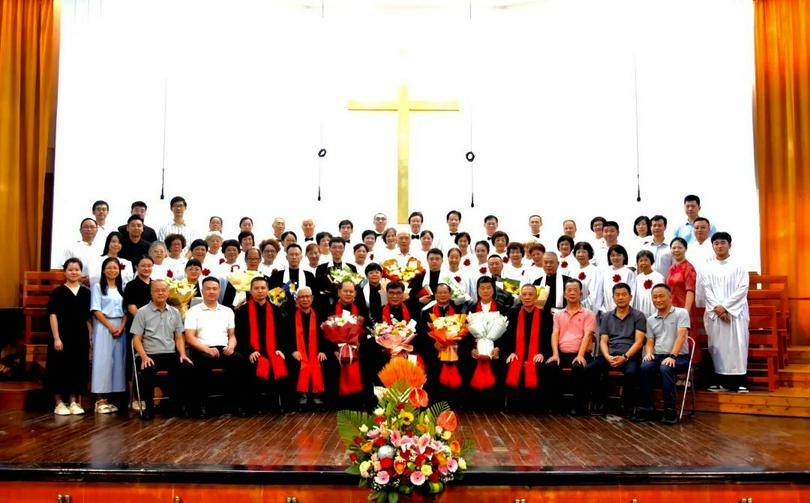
[[199, 378], [147, 378], [598, 370], [578, 377]]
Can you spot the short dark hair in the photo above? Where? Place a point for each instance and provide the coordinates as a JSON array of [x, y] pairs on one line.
[[198, 242], [142, 257], [130, 219], [702, 219], [73, 260], [645, 253], [287, 233], [573, 281], [483, 242], [358, 246], [321, 235], [584, 245], [453, 212], [495, 255], [622, 285], [490, 217], [693, 198], [639, 219], [295, 245], [597, 219], [416, 214], [655, 218], [500, 234], [137, 204], [463, 234], [426, 232], [679, 240], [374, 266], [621, 250], [272, 242], [664, 286], [99, 203], [515, 246], [345, 221], [721, 235], [242, 220], [259, 278], [178, 199], [245, 234], [395, 285], [193, 262], [484, 279], [209, 279], [337, 240], [228, 243], [611, 223], [566, 239], [435, 251], [368, 232], [171, 238], [535, 246]]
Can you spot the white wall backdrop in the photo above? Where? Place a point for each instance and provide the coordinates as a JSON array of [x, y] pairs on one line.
[[253, 88]]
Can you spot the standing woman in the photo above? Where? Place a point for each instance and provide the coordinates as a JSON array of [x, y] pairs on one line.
[[617, 272], [109, 347], [69, 316], [112, 247], [589, 276], [682, 279]]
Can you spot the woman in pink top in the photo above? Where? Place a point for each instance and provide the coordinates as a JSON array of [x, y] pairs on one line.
[[681, 278]]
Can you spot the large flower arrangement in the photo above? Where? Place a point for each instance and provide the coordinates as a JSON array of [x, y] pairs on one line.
[[403, 446], [393, 271], [180, 294]]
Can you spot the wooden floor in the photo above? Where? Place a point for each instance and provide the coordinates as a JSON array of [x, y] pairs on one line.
[[704, 441]]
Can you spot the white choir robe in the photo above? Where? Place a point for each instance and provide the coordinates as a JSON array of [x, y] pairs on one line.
[[591, 278], [533, 272], [517, 273], [159, 270], [324, 259], [642, 300], [403, 258], [308, 268], [361, 269], [212, 261], [268, 269], [725, 283], [84, 252], [176, 266], [420, 255], [382, 253], [225, 269], [609, 278], [445, 242], [567, 264], [634, 245], [698, 254], [464, 279], [600, 258]]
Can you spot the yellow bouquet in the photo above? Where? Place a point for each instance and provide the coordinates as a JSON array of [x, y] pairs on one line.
[[180, 294], [240, 281]]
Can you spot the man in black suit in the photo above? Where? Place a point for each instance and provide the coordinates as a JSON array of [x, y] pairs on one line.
[[139, 208], [326, 289]]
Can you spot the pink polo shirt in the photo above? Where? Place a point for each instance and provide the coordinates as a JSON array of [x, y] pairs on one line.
[[571, 327]]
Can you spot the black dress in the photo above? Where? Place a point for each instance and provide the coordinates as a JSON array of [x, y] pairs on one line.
[[68, 370]]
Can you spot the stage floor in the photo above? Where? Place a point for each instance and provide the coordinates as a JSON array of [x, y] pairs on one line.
[[705, 444]]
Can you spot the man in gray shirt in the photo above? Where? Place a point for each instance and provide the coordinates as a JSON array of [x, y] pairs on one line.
[[666, 353], [621, 337], [159, 342]]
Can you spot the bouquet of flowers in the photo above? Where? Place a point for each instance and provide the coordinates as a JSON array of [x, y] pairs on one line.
[[395, 336], [542, 295], [510, 286], [457, 295], [486, 328], [403, 446], [240, 281], [180, 294], [281, 295], [345, 331], [394, 272], [447, 331], [339, 275]]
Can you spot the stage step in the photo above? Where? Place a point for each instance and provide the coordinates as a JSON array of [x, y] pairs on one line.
[[791, 402], [795, 375], [798, 354]]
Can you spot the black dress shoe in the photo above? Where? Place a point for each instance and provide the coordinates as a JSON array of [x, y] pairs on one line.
[[302, 400], [598, 409], [202, 413], [641, 416], [670, 417], [241, 412], [147, 415]]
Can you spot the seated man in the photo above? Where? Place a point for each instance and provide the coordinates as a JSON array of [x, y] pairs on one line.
[[258, 329], [574, 327], [212, 340], [309, 350], [526, 350], [621, 338], [158, 338], [666, 353]]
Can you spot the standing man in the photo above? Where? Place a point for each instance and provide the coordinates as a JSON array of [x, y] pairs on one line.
[[139, 208], [490, 227], [700, 249], [327, 289], [100, 211], [659, 245], [178, 224], [134, 246], [725, 289], [415, 220], [308, 228], [84, 249], [279, 224], [448, 240], [691, 206], [535, 224]]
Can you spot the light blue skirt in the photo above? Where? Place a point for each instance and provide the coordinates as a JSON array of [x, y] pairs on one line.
[[109, 359]]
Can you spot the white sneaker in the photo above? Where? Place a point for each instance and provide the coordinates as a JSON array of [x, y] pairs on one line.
[[714, 388], [137, 406], [75, 409], [61, 410], [113, 408], [742, 389]]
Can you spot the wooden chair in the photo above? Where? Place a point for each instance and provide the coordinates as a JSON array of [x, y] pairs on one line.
[[763, 344], [777, 298], [36, 290]]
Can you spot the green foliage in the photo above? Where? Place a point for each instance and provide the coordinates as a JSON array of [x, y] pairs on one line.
[[348, 425]]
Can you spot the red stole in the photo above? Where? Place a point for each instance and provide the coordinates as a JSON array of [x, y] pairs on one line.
[[263, 365], [310, 366], [386, 313], [449, 376], [524, 356], [483, 377], [350, 380]]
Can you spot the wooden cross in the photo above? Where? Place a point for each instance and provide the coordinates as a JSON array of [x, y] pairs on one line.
[[403, 106]]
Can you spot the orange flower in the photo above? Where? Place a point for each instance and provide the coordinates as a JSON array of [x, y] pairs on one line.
[[418, 397], [447, 420], [399, 467], [442, 458], [367, 447], [455, 446]]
